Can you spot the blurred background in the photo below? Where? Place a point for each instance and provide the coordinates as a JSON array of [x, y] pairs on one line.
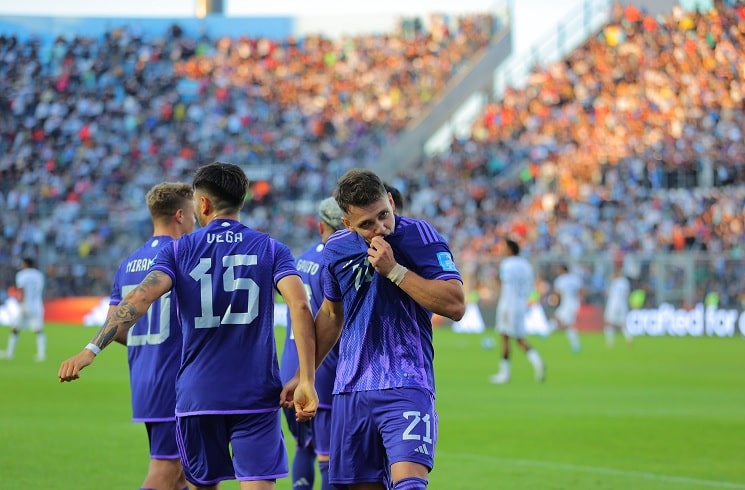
[[592, 132]]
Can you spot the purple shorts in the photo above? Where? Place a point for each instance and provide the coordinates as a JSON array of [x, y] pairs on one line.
[[257, 441], [371, 430], [162, 439], [301, 431], [321, 424], [315, 433]]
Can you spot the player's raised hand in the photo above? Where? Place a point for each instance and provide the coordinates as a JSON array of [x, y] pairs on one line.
[[380, 255], [70, 368]]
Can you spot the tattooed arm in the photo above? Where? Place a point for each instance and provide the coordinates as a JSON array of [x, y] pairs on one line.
[[119, 320], [121, 336]]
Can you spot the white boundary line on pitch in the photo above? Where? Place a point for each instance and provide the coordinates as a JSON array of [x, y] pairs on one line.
[[599, 470]]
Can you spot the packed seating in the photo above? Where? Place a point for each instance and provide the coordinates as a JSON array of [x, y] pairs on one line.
[[632, 143], [88, 125]]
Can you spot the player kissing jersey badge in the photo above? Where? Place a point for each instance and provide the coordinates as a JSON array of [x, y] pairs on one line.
[[446, 261]]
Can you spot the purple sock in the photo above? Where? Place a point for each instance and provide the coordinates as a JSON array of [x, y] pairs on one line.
[[303, 469], [323, 466]]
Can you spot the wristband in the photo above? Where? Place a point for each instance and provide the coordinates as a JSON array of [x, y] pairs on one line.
[[396, 275], [93, 348]]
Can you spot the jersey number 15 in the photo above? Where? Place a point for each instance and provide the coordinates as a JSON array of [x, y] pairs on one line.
[[230, 283]]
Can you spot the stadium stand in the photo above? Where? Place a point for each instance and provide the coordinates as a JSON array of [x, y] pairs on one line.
[[631, 145], [88, 124]]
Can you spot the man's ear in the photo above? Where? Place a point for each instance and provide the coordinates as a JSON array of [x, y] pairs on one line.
[[206, 205], [346, 223]]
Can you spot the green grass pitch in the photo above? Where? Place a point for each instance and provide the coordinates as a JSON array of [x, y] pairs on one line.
[[667, 413]]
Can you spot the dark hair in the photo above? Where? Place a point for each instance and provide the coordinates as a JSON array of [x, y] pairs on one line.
[[398, 198], [225, 183], [28, 261], [163, 200], [513, 246], [358, 187]]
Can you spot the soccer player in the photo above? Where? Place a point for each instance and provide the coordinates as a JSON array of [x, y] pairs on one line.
[[568, 286], [617, 307], [154, 343], [312, 438], [30, 286], [398, 198], [385, 276], [516, 283], [228, 388]]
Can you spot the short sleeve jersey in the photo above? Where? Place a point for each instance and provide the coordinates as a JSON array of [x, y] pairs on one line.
[[568, 285], [224, 278], [386, 339], [619, 290], [310, 267], [516, 278], [32, 282], [153, 343]]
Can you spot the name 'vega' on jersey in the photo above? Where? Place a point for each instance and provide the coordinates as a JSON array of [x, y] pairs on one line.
[[224, 279], [386, 341], [153, 343]]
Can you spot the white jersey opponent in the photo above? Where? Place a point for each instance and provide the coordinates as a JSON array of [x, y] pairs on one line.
[[32, 312], [516, 278], [568, 285], [617, 305]]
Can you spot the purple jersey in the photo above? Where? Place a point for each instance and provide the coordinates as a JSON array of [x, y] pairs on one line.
[[153, 343], [224, 278], [386, 341], [310, 266]]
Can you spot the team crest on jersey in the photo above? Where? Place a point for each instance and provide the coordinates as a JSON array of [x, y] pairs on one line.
[[446, 261]]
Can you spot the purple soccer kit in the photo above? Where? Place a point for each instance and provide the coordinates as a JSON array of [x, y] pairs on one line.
[[153, 351], [224, 278], [385, 353], [310, 267]]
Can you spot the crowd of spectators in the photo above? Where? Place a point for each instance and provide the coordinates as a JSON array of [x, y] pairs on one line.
[[87, 125], [632, 144]]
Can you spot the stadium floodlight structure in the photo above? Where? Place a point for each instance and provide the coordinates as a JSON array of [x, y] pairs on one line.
[[209, 7]]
